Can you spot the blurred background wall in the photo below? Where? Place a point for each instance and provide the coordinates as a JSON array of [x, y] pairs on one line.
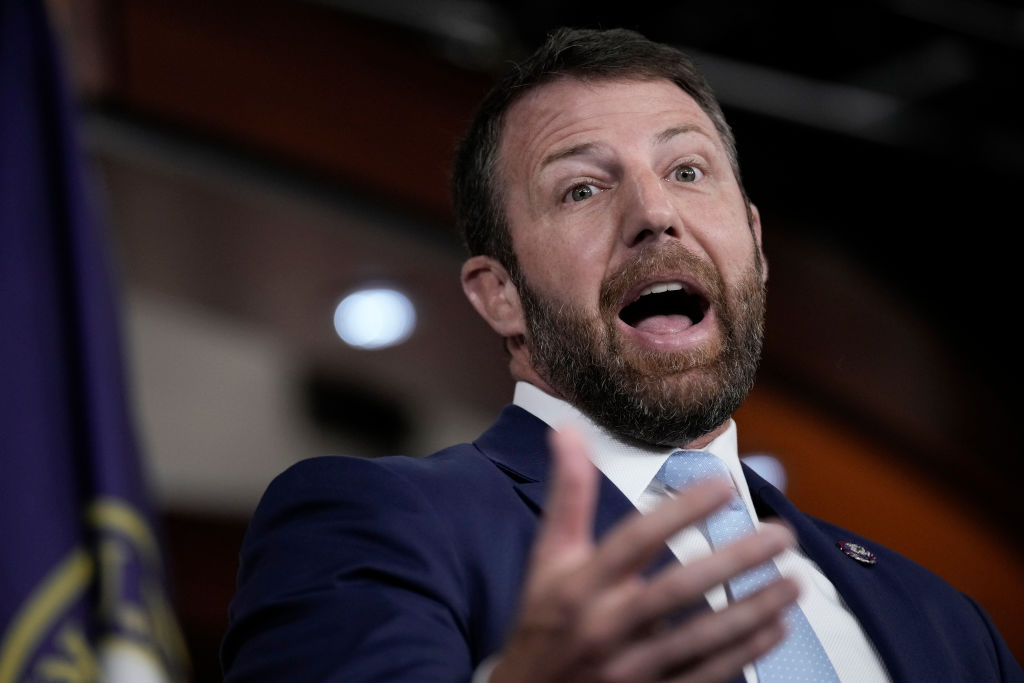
[[258, 160]]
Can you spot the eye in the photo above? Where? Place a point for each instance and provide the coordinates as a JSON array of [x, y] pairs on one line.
[[581, 192], [685, 173]]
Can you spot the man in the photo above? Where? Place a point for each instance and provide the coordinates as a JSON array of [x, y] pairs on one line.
[[615, 251]]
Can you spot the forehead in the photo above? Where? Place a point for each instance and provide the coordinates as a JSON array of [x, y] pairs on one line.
[[569, 111]]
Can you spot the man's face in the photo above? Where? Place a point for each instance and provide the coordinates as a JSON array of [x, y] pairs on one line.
[[641, 277]]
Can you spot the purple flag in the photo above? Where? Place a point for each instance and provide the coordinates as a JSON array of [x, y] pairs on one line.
[[82, 586]]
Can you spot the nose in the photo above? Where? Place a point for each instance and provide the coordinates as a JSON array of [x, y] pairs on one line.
[[650, 214]]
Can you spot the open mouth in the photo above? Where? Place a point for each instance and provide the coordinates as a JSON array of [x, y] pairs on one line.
[[665, 308]]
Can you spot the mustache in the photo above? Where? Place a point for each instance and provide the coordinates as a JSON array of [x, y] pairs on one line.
[[670, 260]]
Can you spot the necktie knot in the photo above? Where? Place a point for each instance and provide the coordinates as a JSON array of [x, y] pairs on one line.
[[728, 523], [688, 467]]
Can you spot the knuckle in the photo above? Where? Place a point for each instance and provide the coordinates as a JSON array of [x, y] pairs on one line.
[[682, 588], [566, 601], [594, 640]]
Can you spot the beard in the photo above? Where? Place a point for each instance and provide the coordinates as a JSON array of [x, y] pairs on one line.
[[660, 398]]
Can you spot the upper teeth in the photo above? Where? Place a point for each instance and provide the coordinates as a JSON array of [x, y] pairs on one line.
[[662, 287]]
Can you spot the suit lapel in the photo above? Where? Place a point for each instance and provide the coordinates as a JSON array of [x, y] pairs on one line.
[[876, 594], [518, 444]]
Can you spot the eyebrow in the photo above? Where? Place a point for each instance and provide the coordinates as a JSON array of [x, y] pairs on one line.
[[574, 151], [669, 133]]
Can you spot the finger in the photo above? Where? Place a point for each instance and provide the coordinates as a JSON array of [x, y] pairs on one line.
[[602, 624], [681, 585], [726, 665], [722, 641], [628, 607], [630, 546], [568, 521], [636, 607]]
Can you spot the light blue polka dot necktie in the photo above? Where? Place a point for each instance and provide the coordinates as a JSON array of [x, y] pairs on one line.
[[800, 656]]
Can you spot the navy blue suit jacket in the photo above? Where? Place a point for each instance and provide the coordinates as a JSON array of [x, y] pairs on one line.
[[409, 569]]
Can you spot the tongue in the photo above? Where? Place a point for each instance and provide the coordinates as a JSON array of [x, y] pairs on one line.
[[664, 324]]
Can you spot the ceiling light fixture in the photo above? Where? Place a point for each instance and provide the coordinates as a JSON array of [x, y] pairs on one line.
[[375, 318]]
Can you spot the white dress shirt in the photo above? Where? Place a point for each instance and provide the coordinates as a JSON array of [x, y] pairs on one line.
[[632, 469]]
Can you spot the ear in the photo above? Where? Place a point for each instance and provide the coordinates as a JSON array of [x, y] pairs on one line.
[[755, 226], [490, 289]]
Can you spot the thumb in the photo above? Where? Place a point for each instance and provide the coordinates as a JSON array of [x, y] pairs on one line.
[[568, 521]]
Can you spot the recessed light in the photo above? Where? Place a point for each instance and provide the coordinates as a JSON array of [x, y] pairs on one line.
[[374, 318]]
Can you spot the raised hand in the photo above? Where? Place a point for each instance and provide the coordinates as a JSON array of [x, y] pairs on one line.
[[588, 613]]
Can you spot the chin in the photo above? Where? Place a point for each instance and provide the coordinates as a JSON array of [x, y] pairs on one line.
[[668, 409]]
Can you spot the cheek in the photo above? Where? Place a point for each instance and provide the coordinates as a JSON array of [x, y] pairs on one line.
[[566, 270], [729, 240]]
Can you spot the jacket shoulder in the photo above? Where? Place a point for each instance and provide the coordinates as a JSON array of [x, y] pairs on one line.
[[347, 559]]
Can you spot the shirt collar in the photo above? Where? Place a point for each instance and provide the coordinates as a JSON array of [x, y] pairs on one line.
[[629, 466]]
